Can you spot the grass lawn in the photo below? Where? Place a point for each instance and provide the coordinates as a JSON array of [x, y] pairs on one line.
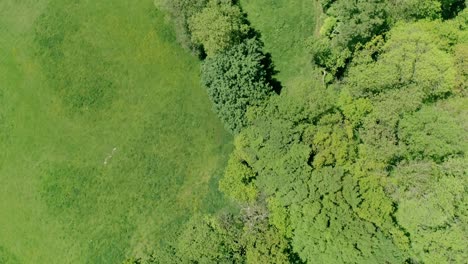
[[107, 141], [285, 26]]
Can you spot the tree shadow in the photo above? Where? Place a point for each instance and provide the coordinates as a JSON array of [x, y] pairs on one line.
[[451, 9], [271, 73], [267, 61]]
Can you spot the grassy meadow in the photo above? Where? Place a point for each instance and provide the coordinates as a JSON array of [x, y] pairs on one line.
[[107, 141], [287, 35]]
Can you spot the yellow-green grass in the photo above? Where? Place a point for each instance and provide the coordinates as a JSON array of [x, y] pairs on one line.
[[286, 28], [107, 141]]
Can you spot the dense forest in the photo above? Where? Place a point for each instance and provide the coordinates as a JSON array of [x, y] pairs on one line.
[[364, 163]]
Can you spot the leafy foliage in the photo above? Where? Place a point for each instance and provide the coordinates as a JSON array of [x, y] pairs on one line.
[[432, 133], [349, 23], [409, 58], [437, 228], [330, 162], [450, 8], [238, 182], [206, 240], [218, 26], [307, 195], [226, 238], [236, 79], [415, 9]]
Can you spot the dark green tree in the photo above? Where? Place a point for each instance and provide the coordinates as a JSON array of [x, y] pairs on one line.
[[236, 79]]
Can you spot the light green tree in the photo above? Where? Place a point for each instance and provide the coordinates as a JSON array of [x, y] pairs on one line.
[[218, 26]]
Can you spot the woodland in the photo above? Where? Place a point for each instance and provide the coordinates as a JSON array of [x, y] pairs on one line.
[[364, 163]]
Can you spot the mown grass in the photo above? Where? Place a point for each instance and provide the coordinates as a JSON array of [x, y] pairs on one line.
[[107, 141], [286, 28]]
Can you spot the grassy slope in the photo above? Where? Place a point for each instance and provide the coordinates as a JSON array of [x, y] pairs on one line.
[[59, 202], [285, 26]]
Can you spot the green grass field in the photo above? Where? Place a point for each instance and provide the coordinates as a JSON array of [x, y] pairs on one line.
[[107, 141], [285, 27]]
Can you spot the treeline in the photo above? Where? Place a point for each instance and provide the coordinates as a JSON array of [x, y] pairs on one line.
[[370, 167]]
